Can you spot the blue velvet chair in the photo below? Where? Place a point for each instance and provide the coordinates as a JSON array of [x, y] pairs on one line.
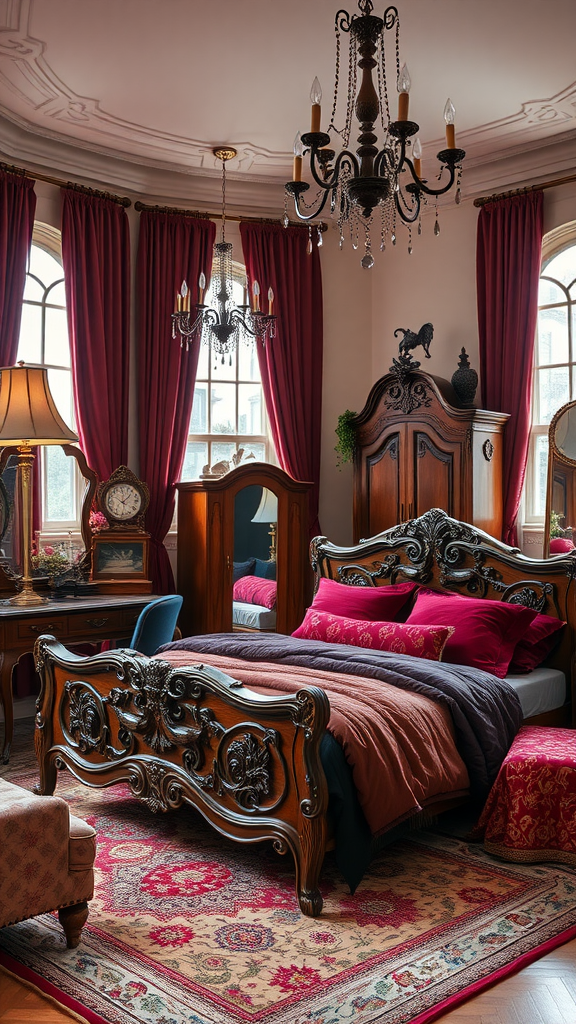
[[156, 624]]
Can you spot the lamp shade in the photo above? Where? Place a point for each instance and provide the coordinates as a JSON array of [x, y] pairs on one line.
[[28, 414], [267, 511]]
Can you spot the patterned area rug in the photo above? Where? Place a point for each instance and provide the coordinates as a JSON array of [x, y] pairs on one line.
[[188, 928]]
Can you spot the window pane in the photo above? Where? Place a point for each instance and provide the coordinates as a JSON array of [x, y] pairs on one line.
[[44, 265], [223, 413], [60, 505], [553, 391], [60, 384], [30, 342], [563, 266], [249, 409], [56, 295], [222, 451], [248, 368], [549, 292], [202, 371], [199, 419], [195, 459], [552, 336], [33, 289], [256, 449], [540, 474], [223, 366], [56, 345]]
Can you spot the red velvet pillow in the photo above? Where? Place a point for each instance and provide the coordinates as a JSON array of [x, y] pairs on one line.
[[380, 604], [418, 641], [560, 545], [536, 644], [255, 590], [486, 631]]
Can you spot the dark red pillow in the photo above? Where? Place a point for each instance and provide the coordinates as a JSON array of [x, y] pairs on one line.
[[417, 641], [255, 590], [380, 604], [486, 631], [536, 644]]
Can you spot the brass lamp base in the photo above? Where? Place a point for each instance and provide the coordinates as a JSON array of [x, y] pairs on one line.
[[27, 597]]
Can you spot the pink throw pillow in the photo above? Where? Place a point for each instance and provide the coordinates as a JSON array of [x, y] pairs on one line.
[[380, 604], [536, 644], [559, 545], [255, 590], [486, 631], [417, 641]]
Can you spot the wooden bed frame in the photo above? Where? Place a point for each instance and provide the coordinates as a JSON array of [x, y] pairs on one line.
[[251, 763]]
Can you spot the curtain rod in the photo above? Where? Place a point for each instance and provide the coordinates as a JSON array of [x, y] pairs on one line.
[[523, 191], [206, 215], [121, 200]]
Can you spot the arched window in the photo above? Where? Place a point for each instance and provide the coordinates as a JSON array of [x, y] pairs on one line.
[[228, 411], [555, 357], [44, 342]]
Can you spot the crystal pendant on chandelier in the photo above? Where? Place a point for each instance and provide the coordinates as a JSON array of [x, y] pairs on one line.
[[391, 177], [224, 325]]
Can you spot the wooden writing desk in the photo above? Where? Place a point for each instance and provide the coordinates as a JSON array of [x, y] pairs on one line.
[[72, 620]]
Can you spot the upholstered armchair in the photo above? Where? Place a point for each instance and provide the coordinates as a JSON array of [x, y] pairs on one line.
[[46, 860]]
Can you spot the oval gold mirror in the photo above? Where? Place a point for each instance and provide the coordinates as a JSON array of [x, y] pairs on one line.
[[560, 520]]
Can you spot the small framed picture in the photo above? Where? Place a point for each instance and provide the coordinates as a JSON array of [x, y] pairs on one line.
[[120, 556]]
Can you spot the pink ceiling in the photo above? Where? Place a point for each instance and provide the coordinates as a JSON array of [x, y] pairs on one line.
[[165, 80]]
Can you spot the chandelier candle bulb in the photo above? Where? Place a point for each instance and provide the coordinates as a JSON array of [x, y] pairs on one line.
[[316, 100], [270, 301], [256, 294], [417, 155], [404, 84], [298, 153], [201, 287], [450, 117]]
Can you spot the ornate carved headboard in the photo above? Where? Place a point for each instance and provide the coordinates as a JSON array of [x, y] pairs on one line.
[[445, 554]]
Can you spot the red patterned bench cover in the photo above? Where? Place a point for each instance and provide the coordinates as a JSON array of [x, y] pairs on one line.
[[530, 814]]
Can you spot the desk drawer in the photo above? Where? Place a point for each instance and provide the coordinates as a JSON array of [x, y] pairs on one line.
[[99, 623], [51, 624]]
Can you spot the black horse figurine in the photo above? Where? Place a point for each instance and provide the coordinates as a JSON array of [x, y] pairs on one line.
[[411, 340]]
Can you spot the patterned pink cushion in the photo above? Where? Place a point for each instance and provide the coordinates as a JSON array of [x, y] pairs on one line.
[[486, 631], [381, 604], [417, 641], [255, 590]]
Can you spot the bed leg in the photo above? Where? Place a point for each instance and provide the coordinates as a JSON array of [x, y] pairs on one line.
[[309, 860]]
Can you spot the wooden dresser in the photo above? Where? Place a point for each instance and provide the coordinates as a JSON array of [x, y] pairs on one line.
[[417, 448]]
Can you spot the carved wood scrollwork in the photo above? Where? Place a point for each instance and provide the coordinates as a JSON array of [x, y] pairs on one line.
[[488, 450], [406, 393]]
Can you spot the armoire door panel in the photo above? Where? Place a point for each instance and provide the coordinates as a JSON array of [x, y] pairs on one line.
[[434, 472], [384, 477]]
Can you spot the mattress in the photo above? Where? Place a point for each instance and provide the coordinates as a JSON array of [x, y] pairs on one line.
[[543, 689], [253, 616]]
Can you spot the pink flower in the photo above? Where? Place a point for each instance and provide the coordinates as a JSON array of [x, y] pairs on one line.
[[48, 550]]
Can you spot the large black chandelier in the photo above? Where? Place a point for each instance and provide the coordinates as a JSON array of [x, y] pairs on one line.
[[222, 327], [389, 177]]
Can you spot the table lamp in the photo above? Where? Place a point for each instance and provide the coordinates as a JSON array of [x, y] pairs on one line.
[[267, 512], [28, 416]]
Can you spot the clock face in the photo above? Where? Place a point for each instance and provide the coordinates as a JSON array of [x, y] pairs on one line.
[[123, 501]]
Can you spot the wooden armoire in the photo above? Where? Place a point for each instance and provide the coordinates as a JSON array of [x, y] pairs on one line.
[[206, 515], [418, 448]]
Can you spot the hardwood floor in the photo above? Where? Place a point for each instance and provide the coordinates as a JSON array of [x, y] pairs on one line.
[[543, 993]]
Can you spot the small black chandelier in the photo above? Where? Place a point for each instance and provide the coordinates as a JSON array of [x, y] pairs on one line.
[[390, 177], [222, 327]]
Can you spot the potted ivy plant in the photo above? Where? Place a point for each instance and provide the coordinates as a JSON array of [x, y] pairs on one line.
[[346, 435]]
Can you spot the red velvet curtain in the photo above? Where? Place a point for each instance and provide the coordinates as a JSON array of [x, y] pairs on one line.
[[96, 258], [17, 207], [171, 248], [508, 257], [291, 363]]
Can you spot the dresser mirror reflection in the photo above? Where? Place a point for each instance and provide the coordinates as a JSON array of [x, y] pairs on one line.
[[254, 597], [560, 519]]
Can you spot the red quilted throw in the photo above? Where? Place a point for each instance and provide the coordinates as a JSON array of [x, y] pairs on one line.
[[530, 814]]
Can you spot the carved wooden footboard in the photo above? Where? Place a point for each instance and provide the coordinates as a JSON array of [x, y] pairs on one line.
[[249, 763]]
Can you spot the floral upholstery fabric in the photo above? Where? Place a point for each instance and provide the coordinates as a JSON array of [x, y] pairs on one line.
[[46, 855], [530, 814]]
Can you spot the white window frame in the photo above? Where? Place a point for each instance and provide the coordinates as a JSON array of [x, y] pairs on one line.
[[554, 243], [49, 238]]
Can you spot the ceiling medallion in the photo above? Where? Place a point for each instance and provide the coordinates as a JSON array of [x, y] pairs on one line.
[[222, 327], [390, 177]]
